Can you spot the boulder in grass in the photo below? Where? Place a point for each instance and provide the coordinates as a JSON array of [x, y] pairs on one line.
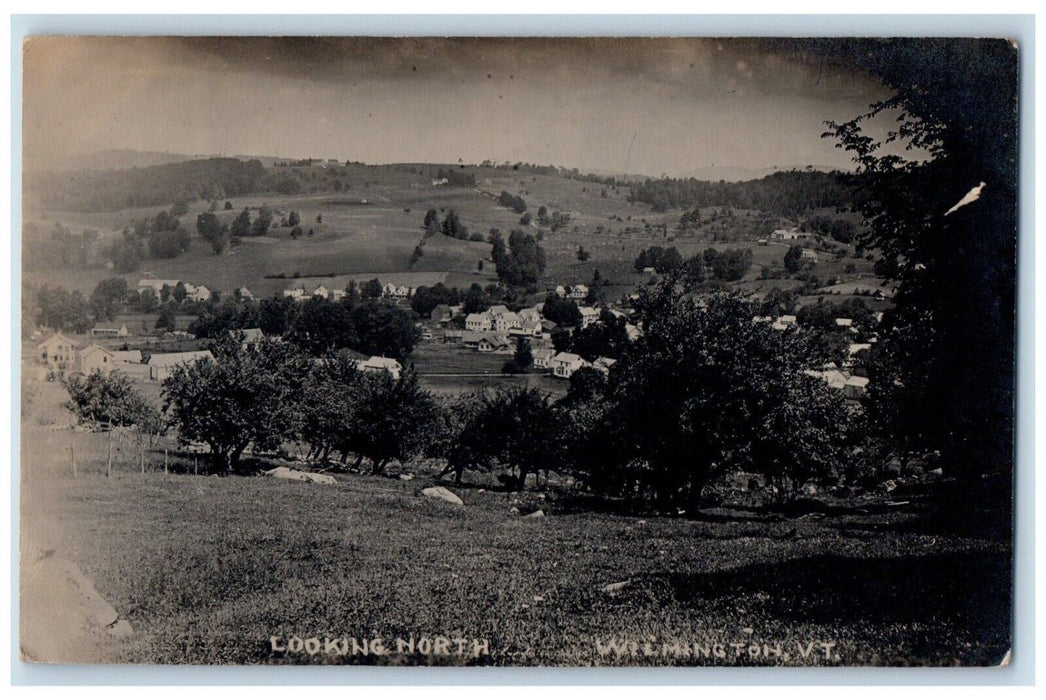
[[615, 588], [295, 475], [442, 493], [535, 514], [406, 477]]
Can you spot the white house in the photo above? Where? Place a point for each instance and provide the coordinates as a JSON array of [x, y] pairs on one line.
[[95, 357], [110, 330], [589, 315], [58, 352], [161, 366], [245, 293], [566, 363], [321, 292], [530, 315], [782, 234], [603, 364], [633, 332], [506, 321], [561, 290], [543, 357], [297, 293], [578, 291], [807, 254], [527, 328], [478, 322], [381, 364], [844, 322], [201, 293]]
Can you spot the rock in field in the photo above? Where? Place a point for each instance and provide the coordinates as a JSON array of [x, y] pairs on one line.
[[615, 588], [295, 475], [535, 514], [442, 493]]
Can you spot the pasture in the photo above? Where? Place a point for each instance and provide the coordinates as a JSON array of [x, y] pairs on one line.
[[209, 569]]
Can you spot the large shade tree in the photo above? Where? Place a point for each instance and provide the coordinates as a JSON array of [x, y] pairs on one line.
[[943, 384], [245, 395]]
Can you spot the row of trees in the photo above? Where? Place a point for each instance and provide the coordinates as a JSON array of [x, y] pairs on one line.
[[787, 194], [316, 326]]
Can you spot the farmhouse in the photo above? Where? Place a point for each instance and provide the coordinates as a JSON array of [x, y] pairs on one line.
[[793, 234], [633, 332], [479, 322], [110, 330], [844, 322], [58, 352], [161, 366], [245, 293], [200, 293], [578, 291], [441, 314], [566, 363], [543, 358], [454, 337], [321, 292], [298, 293], [807, 254]]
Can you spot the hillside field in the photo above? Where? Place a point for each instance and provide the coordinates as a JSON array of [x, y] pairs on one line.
[[209, 569], [371, 229]]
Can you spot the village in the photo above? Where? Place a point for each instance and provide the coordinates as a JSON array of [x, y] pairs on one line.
[[106, 347]]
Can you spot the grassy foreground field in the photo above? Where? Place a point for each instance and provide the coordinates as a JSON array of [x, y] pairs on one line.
[[209, 570]]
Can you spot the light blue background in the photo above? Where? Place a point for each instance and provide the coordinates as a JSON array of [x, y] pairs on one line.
[[1019, 27]]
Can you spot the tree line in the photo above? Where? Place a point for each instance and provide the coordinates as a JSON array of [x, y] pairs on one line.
[[789, 194]]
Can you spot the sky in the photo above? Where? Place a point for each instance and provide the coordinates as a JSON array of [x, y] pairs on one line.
[[645, 106]]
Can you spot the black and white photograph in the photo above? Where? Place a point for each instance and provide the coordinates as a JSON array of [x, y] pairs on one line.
[[522, 351]]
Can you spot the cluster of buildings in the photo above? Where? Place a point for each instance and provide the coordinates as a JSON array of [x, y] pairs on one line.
[[192, 292], [496, 330], [61, 355], [389, 291]]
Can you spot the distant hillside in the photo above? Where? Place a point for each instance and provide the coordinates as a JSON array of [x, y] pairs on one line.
[[789, 194], [120, 159], [729, 173], [156, 185]]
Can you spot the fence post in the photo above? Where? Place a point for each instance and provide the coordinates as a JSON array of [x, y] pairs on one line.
[[165, 460], [109, 458], [72, 453]]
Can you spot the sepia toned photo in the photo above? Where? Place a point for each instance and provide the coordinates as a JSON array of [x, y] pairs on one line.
[[542, 352]]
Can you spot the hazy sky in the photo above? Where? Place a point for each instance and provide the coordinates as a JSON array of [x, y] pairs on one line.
[[642, 105]]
